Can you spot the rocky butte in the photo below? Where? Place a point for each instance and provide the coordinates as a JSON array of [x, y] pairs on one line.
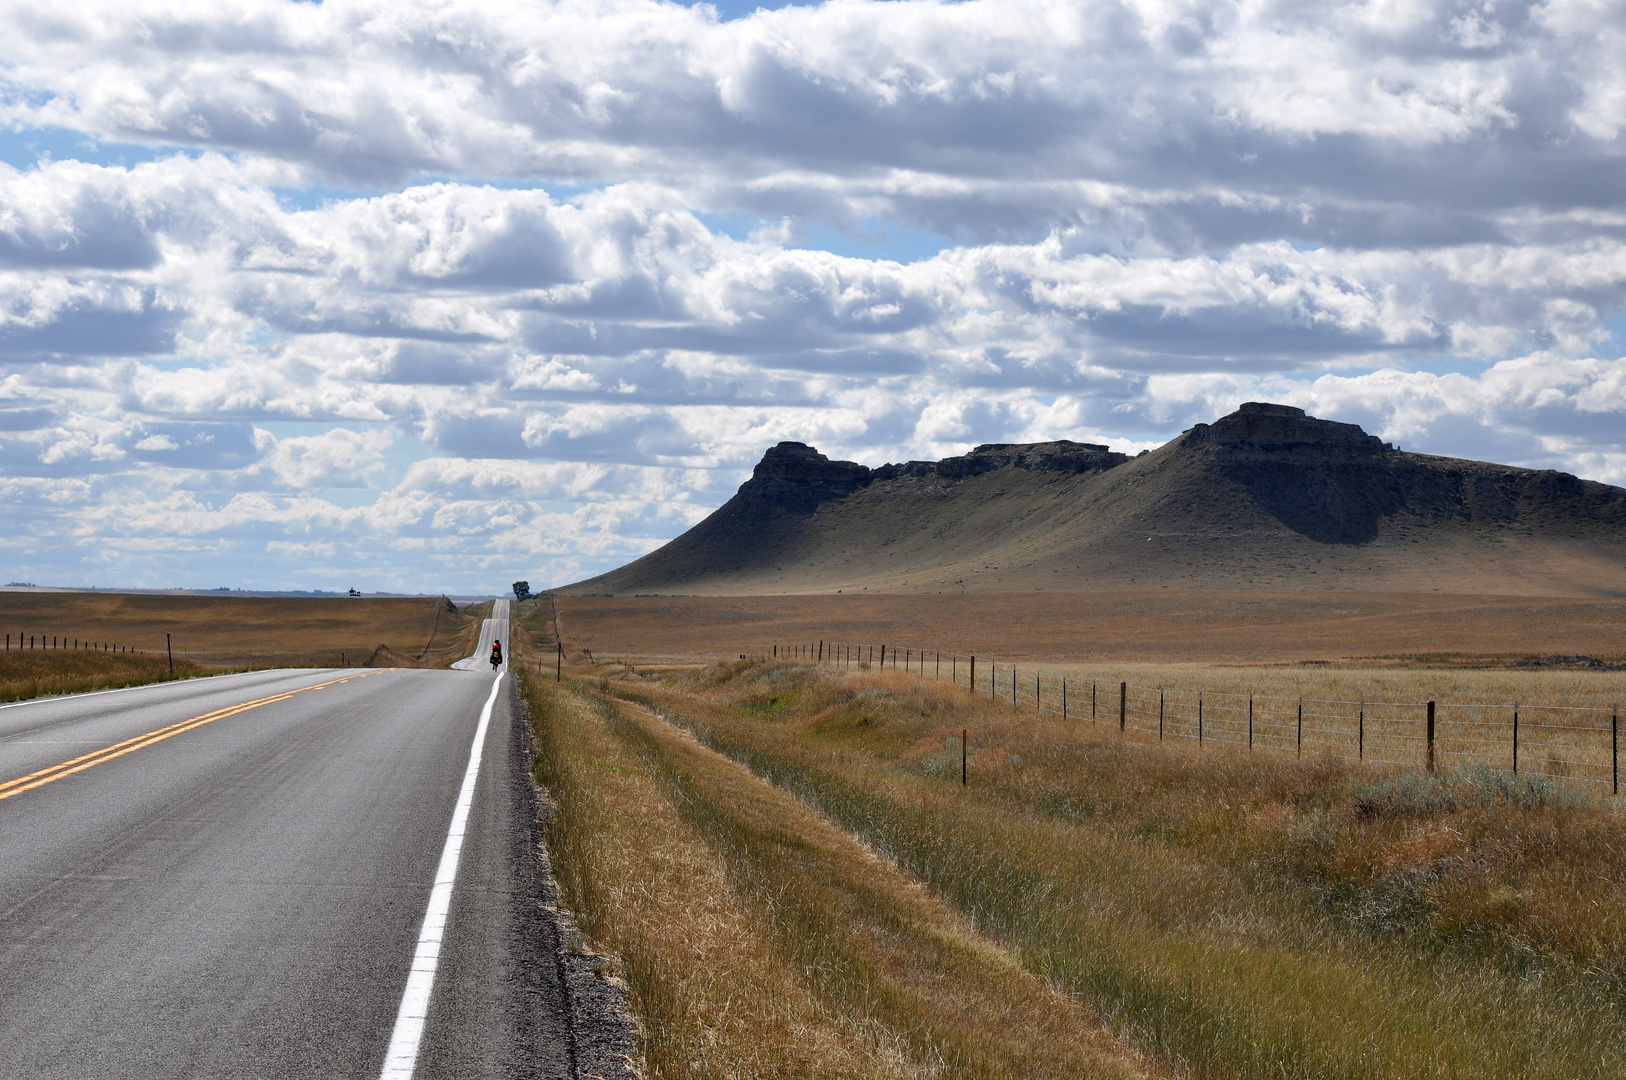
[[1266, 497]]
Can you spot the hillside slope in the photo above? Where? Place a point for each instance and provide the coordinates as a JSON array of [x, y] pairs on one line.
[[1265, 497]]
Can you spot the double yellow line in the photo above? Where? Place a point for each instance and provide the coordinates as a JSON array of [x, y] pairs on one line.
[[117, 750]]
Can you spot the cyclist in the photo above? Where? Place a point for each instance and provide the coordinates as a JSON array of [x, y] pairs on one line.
[[496, 655]]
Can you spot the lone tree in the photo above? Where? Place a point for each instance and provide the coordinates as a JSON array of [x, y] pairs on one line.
[[522, 590]]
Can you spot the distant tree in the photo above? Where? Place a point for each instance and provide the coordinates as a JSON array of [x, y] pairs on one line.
[[522, 590]]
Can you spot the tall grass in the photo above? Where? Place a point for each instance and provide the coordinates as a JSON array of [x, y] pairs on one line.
[[35, 673], [759, 940], [714, 995], [1556, 723], [1237, 915]]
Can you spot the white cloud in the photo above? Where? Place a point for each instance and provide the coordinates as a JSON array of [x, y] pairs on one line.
[[1407, 216]]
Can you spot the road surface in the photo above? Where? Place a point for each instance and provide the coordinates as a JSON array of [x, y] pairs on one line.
[[228, 878]]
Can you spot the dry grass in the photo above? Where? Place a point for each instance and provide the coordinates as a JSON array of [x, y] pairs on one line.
[[238, 632], [28, 674], [713, 993], [1168, 626], [759, 940], [1236, 915]]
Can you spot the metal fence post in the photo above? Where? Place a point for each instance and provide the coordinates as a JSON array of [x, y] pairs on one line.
[[1160, 716], [1123, 706], [1064, 699], [1250, 721], [1360, 736], [1300, 748], [1515, 738], [1199, 718]]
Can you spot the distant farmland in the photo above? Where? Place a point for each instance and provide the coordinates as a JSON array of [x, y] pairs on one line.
[[232, 631]]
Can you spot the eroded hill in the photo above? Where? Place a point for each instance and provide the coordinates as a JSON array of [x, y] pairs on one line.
[[1265, 497]]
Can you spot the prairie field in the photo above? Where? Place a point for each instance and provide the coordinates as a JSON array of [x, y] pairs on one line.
[[1198, 910], [62, 642], [25, 674], [1159, 626], [251, 631]]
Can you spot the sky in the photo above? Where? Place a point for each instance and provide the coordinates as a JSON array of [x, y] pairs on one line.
[[428, 297]]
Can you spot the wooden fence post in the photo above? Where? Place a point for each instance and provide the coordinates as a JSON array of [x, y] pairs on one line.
[[993, 680], [883, 656], [1300, 750], [1013, 686], [1515, 738], [1092, 699], [1199, 718], [972, 685], [821, 652], [964, 732], [1036, 706], [1123, 706], [559, 663], [1250, 721], [1431, 736], [171, 653], [1064, 699], [1160, 716]]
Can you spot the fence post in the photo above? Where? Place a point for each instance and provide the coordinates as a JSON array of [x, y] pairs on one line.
[[1360, 738], [1250, 721], [883, 656], [171, 652], [963, 736], [993, 679], [559, 663], [1013, 686], [1300, 748], [1515, 738], [1123, 706], [821, 652], [1614, 746], [1199, 718], [1092, 699], [972, 685], [938, 659], [1160, 716], [1064, 699], [1431, 736]]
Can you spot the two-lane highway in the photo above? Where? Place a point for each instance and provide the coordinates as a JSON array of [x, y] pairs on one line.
[[229, 877]]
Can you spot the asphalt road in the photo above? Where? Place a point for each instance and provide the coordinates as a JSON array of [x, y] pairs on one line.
[[244, 897]]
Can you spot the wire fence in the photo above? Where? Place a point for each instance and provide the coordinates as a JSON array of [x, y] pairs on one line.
[[1575, 743]]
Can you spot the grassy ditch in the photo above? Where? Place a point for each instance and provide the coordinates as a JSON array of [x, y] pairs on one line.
[[1233, 916], [36, 673], [759, 940]]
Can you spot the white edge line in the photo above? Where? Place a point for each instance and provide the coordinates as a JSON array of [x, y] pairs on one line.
[[402, 1056], [47, 698]]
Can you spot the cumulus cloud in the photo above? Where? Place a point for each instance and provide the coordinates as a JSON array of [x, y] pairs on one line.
[[558, 290]]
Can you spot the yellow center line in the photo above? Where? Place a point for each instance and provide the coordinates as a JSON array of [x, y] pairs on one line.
[[130, 745]]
